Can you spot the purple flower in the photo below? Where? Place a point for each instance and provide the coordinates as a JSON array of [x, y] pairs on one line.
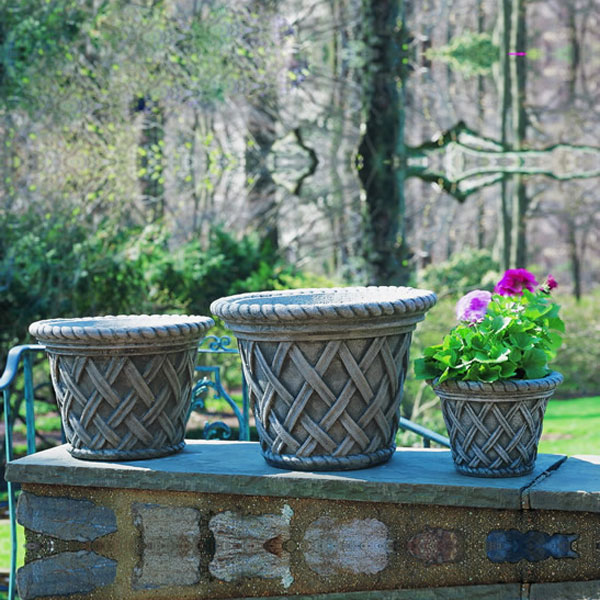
[[473, 306], [514, 281]]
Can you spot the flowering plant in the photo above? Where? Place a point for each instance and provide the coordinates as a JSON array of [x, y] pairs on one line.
[[510, 334]]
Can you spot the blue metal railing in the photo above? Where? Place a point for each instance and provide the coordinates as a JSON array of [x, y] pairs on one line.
[[7, 379], [210, 382]]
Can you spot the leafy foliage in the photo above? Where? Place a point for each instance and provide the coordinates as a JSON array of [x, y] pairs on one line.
[[515, 339], [56, 265], [472, 53], [463, 272]]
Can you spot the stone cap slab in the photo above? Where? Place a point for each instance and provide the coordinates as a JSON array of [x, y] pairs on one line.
[[412, 476], [575, 486], [501, 591]]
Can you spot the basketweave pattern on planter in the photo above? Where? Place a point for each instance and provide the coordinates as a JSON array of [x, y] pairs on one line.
[[99, 418], [499, 435], [313, 419]]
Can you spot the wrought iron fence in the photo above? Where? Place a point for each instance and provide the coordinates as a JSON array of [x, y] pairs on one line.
[[17, 355], [211, 381]]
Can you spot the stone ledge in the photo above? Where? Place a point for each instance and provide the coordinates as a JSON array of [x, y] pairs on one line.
[[574, 486], [414, 476], [503, 591]]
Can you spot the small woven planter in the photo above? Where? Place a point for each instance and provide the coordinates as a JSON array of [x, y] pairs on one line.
[[494, 428], [325, 369], [123, 384]]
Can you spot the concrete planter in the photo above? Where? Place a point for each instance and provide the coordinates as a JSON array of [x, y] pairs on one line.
[[326, 369], [123, 384], [494, 428]]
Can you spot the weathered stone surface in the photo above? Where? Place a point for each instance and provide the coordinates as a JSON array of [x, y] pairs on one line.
[[333, 546], [413, 476], [65, 518], [66, 573], [567, 590], [170, 537], [251, 546], [575, 486], [508, 591]]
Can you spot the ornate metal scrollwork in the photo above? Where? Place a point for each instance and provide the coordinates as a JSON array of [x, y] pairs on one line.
[[210, 384]]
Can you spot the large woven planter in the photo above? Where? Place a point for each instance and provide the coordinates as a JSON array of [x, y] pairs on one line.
[[325, 369], [495, 428], [123, 384]]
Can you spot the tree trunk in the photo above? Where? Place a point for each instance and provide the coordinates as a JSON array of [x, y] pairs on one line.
[[262, 200], [574, 257], [505, 215], [383, 145], [261, 125], [518, 69]]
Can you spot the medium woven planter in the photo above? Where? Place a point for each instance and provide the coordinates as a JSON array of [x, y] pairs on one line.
[[495, 428], [123, 384], [325, 369]]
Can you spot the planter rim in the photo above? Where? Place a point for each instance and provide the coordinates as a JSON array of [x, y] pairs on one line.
[[112, 329], [502, 387], [323, 304]]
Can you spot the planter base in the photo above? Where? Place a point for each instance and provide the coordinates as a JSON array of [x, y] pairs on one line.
[[328, 463], [113, 454], [484, 472]]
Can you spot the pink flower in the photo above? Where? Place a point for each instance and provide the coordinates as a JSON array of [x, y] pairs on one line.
[[514, 281], [473, 306], [548, 285]]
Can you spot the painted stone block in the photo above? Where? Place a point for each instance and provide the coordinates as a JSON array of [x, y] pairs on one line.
[[533, 546], [435, 546], [251, 546], [65, 518], [333, 546], [64, 574], [170, 536]]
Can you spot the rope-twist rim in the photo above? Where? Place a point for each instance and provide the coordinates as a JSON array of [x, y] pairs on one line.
[[330, 303], [501, 390], [120, 328]]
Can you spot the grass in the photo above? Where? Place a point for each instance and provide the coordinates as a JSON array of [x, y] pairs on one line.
[[5, 545], [572, 427]]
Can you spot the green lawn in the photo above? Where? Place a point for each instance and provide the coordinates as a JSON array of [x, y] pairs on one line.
[[5, 545], [572, 427]]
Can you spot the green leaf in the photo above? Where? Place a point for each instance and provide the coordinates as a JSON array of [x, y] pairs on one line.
[[536, 372], [425, 370], [534, 358], [555, 340], [556, 323], [521, 340]]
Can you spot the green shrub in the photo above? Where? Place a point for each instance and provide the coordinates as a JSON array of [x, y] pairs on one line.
[[55, 265], [465, 271], [579, 356]]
